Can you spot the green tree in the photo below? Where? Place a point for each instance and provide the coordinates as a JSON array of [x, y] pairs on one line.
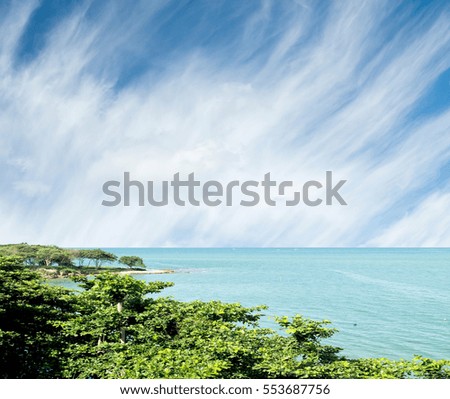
[[132, 261], [50, 255], [98, 256], [109, 302], [25, 251], [10, 262], [30, 342]]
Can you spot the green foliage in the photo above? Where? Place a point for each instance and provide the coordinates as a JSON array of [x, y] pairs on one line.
[[38, 255], [26, 252], [50, 255], [98, 256], [116, 288], [29, 341], [132, 261], [427, 368], [10, 262], [115, 327]]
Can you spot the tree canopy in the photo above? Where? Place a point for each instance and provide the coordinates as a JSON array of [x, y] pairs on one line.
[[51, 255], [132, 261]]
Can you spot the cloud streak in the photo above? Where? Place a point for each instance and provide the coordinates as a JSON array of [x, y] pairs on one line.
[[292, 88]]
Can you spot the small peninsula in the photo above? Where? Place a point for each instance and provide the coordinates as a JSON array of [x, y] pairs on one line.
[[53, 262]]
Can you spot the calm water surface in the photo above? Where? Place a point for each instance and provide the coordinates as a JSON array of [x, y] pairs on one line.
[[385, 302]]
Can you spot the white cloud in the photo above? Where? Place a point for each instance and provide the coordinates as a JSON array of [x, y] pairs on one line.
[[428, 225], [333, 103], [31, 188]]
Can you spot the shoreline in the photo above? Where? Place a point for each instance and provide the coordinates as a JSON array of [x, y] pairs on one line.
[[54, 273], [153, 271]]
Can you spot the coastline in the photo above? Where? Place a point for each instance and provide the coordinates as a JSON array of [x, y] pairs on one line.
[[54, 273], [153, 271]]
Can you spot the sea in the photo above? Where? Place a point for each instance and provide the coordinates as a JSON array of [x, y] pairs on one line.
[[392, 303]]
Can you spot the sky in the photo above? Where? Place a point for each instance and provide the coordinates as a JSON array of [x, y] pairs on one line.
[[228, 90]]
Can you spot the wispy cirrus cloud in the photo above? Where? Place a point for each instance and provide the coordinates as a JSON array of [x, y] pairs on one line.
[[427, 224], [292, 88]]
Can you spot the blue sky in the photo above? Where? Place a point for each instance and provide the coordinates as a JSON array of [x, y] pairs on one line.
[[228, 90]]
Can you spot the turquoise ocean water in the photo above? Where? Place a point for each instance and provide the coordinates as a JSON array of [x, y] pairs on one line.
[[385, 302]]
